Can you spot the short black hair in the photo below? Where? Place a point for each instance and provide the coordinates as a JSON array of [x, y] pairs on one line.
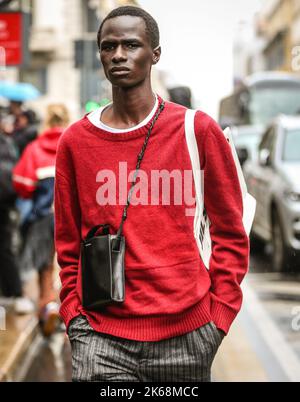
[[152, 30], [30, 116]]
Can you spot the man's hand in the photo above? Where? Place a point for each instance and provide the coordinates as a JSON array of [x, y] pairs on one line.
[[221, 332]]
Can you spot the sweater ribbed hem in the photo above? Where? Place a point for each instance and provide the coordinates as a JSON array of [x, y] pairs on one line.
[[153, 328]]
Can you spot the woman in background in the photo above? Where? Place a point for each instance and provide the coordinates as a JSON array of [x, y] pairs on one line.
[[33, 178]]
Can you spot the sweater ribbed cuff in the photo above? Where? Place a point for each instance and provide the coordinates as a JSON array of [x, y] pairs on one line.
[[69, 310], [222, 315]]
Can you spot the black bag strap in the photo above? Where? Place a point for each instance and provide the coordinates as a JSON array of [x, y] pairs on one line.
[[105, 226]]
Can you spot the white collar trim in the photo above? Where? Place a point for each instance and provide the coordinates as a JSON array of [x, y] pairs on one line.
[[95, 118]]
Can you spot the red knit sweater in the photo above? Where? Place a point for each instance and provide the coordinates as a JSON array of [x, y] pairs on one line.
[[169, 291]]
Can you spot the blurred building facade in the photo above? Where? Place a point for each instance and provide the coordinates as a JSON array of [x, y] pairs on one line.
[[65, 61], [63, 58], [271, 43], [278, 24], [247, 52]]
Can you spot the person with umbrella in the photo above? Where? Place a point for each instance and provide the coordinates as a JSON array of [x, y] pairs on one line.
[[23, 123]]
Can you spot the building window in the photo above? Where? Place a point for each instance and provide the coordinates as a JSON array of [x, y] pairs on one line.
[[91, 20], [275, 52], [36, 77]]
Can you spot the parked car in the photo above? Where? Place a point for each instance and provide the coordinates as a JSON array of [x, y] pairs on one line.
[[273, 178], [246, 140]]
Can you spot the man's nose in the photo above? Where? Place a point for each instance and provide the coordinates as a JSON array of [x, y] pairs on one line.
[[119, 54]]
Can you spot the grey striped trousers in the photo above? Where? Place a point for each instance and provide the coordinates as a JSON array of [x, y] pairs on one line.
[[102, 357]]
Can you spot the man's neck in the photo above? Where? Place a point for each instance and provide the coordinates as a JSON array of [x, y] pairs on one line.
[[129, 107]]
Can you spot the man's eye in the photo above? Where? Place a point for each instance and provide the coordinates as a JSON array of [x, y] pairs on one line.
[[107, 47], [132, 45]]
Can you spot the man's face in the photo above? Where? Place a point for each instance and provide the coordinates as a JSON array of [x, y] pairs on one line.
[[126, 52]]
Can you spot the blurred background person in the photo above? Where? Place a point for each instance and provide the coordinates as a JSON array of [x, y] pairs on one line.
[[9, 118], [181, 95], [10, 279], [25, 129], [21, 123], [33, 178], [15, 108]]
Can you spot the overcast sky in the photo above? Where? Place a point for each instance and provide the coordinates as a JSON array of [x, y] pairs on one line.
[[196, 40]]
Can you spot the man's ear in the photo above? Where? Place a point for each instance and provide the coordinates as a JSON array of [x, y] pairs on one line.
[[156, 55]]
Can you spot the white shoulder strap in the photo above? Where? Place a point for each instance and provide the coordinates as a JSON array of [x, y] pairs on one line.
[[195, 160], [194, 153], [201, 224]]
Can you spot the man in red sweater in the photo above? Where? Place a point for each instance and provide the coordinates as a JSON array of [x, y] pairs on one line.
[[175, 312]]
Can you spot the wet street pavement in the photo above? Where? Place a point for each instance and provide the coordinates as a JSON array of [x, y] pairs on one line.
[[264, 341], [279, 295], [49, 360], [263, 344]]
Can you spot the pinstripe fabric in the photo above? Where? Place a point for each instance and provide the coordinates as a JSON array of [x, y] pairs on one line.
[[102, 357]]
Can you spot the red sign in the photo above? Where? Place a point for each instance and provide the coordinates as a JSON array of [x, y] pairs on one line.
[[11, 38]]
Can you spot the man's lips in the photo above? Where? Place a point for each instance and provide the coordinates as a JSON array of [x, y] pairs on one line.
[[119, 70]]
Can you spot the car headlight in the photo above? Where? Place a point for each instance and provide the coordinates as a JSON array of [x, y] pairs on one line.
[[292, 196]]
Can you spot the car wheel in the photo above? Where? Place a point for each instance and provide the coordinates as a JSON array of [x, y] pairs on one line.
[[280, 252]]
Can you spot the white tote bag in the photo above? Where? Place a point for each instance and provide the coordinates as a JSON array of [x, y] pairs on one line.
[[201, 220]]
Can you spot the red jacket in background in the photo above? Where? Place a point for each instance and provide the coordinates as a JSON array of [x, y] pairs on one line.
[[33, 175]]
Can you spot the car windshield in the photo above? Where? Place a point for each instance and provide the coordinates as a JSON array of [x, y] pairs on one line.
[[249, 141], [268, 102], [291, 148]]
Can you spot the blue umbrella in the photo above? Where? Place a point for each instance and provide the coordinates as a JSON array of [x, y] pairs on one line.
[[18, 91]]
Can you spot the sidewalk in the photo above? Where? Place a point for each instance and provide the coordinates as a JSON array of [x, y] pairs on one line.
[[17, 337], [255, 348], [236, 360]]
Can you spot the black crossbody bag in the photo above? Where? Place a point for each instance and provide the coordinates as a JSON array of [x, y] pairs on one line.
[[102, 255]]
